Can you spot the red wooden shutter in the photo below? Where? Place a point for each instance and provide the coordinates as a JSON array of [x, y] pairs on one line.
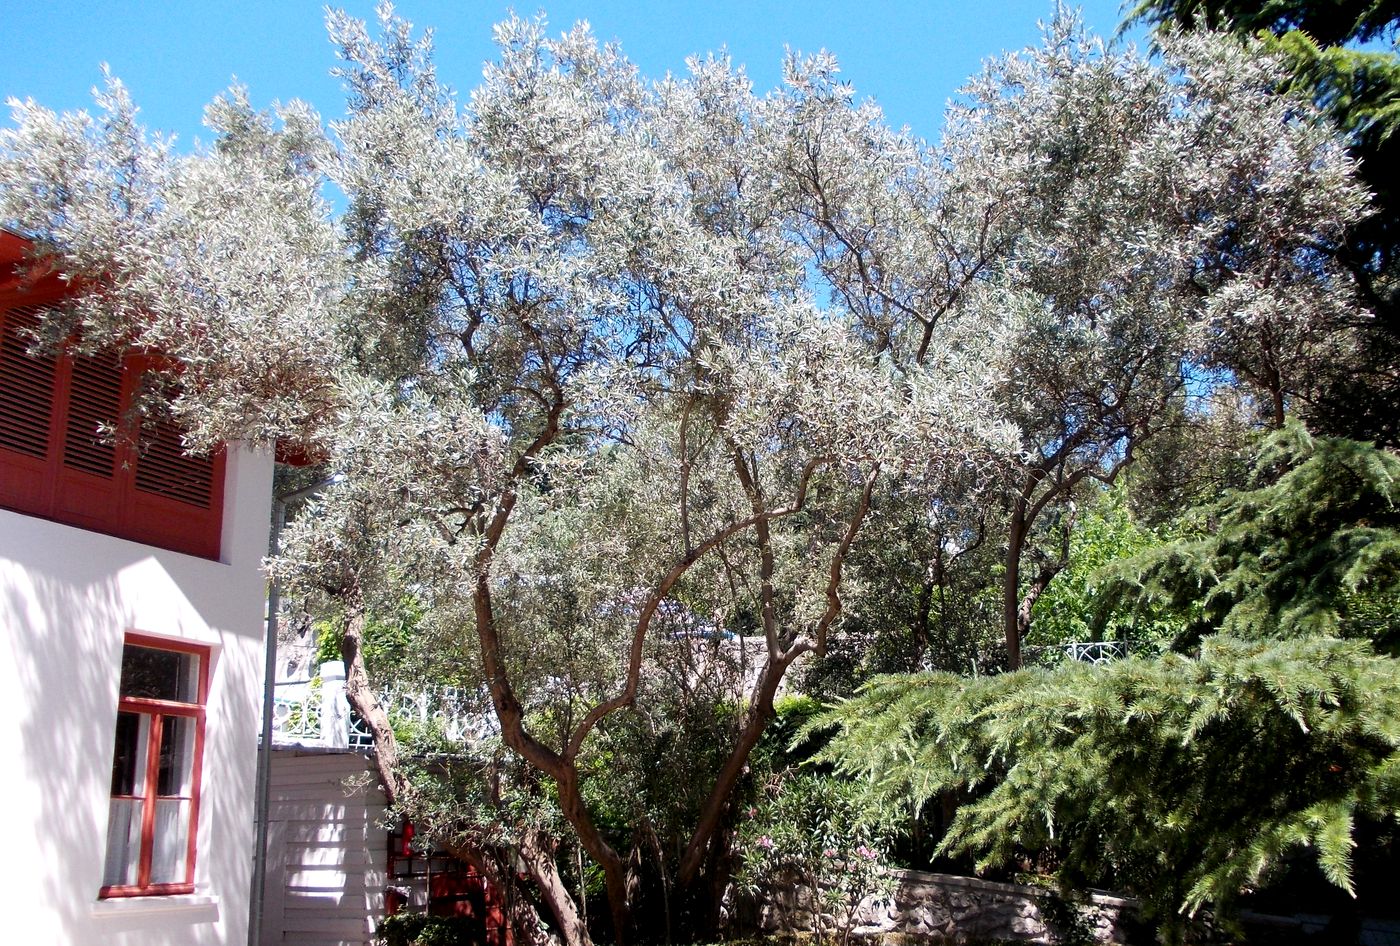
[[94, 458], [164, 469], [26, 386], [66, 453], [94, 413], [178, 499]]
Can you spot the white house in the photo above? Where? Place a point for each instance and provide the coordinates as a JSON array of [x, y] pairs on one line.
[[131, 611]]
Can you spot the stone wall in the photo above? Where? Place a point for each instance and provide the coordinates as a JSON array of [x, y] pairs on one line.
[[923, 908]]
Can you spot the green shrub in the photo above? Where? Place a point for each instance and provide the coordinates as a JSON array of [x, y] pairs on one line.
[[416, 929], [820, 831]]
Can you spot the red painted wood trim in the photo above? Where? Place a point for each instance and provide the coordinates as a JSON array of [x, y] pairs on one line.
[[114, 503], [197, 776], [148, 803], [158, 710], [155, 890], [156, 642], [196, 779]]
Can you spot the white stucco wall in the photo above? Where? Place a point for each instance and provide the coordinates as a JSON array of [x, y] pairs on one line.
[[67, 598]]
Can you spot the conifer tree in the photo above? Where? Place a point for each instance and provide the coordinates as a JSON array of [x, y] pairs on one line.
[[1186, 778], [1311, 548], [1181, 780]]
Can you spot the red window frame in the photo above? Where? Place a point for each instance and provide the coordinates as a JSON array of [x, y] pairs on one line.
[[159, 711]]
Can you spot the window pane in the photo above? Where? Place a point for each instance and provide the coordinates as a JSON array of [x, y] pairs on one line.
[[128, 759], [123, 842], [159, 674], [172, 841], [176, 756]]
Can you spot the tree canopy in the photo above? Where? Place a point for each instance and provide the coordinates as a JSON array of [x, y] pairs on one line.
[[608, 371], [1342, 55]]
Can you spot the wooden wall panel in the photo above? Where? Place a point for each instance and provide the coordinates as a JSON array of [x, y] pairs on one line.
[[327, 851]]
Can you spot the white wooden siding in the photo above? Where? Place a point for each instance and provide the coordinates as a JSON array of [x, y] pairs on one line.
[[327, 851]]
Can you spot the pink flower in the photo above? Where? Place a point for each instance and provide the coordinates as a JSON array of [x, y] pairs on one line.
[[766, 843], [866, 853], [829, 852]]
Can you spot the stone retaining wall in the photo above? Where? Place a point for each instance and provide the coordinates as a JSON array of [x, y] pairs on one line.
[[924, 908]]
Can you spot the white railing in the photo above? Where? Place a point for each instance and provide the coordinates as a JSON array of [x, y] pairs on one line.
[[1088, 652], [447, 710], [315, 712], [312, 712]]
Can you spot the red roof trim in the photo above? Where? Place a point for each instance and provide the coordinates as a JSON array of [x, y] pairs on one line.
[[21, 275], [295, 454]]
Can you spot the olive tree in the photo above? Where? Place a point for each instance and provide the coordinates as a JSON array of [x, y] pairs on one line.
[[1114, 221], [561, 343], [598, 362]]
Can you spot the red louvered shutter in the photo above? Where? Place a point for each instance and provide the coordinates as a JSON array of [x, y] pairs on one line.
[[65, 455], [26, 395], [94, 413], [26, 413], [164, 469], [178, 498], [93, 456]]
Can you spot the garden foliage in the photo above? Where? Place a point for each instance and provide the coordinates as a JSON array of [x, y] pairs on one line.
[[610, 374], [1311, 547], [1188, 777], [1181, 779]]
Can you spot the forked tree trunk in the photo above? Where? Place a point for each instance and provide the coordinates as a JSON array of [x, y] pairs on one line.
[[537, 858], [712, 814], [561, 765]]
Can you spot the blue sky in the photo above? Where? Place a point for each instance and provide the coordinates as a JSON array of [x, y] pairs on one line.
[[175, 56]]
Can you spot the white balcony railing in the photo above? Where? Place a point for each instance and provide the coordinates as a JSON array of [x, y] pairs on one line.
[[315, 713], [1088, 652]]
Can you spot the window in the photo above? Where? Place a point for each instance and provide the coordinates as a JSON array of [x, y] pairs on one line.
[[154, 811], [55, 463]]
